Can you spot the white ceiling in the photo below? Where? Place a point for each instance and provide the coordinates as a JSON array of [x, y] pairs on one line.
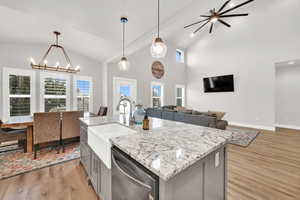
[[91, 28]]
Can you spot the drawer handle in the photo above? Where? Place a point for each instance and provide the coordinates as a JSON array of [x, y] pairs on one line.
[[128, 176]]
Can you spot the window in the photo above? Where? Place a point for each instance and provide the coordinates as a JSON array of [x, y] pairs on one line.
[[83, 93], [18, 93], [180, 94], [179, 56], [55, 92], [157, 94]]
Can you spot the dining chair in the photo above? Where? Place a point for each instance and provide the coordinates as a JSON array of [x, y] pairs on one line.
[[70, 126], [102, 111], [47, 128], [9, 135]]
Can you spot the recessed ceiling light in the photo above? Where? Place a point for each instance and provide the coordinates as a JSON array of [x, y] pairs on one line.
[[192, 35], [291, 62]]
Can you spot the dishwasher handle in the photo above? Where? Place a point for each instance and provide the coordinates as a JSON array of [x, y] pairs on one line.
[[128, 176]]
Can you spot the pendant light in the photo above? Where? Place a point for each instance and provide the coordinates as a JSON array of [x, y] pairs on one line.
[[158, 47], [124, 63]]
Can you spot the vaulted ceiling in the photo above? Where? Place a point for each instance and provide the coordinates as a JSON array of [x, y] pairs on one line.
[[93, 29]]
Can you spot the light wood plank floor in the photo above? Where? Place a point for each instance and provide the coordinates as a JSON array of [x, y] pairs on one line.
[[269, 169], [60, 182]]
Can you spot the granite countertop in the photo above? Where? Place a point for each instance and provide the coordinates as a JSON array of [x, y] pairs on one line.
[[169, 147], [95, 121]]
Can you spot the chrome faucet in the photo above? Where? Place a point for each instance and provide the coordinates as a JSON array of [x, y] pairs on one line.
[[126, 99]]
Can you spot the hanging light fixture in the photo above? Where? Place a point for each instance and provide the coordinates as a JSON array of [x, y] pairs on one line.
[[158, 47], [124, 63], [42, 65]]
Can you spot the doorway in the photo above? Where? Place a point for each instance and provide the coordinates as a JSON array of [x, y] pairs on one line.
[[287, 108], [123, 87]]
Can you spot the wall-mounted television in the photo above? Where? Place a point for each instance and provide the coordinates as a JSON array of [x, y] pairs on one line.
[[219, 84]]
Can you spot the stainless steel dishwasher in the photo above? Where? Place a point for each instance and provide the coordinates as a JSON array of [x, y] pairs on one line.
[[130, 180]]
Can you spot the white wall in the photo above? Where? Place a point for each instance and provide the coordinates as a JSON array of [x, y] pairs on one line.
[[248, 50], [288, 96], [17, 56], [140, 69]]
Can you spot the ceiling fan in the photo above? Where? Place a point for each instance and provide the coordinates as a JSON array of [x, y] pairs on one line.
[[218, 16]]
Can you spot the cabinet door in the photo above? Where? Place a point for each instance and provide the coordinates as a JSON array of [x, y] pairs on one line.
[[83, 135], [105, 182], [215, 176], [85, 157], [99, 176], [94, 171]]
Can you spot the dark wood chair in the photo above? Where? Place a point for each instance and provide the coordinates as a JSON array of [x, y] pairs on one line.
[[102, 111], [9, 135], [70, 126], [47, 128]]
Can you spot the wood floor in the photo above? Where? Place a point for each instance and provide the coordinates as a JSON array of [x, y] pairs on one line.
[[61, 182], [269, 169]]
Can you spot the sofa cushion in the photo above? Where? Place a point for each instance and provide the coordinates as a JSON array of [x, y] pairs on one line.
[[201, 120], [195, 112], [168, 115]]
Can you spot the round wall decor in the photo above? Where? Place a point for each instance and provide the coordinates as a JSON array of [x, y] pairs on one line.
[[158, 70]]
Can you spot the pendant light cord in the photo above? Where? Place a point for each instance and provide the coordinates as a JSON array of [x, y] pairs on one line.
[[123, 39], [158, 17]]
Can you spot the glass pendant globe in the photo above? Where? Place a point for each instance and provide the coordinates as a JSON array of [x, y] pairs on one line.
[[158, 48], [124, 64]]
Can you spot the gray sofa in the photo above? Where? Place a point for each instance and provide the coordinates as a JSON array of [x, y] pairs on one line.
[[196, 119]]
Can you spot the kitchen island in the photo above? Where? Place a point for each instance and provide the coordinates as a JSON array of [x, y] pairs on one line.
[[189, 161]]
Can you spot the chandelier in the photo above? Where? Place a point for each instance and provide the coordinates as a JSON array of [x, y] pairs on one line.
[[42, 65]]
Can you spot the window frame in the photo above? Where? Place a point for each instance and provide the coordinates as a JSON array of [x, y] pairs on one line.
[[182, 59], [5, 88], [75, 95], [162, 93], [183, 94], [43, 76]]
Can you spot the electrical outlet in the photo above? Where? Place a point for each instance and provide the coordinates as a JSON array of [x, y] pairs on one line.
[[217, 159]]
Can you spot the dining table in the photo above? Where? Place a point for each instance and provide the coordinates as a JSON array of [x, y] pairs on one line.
[[27, 122]]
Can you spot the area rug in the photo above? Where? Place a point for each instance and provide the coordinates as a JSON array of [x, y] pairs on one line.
[[16, 162], [242, 136]]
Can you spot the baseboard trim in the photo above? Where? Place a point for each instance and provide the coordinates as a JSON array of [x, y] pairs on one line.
[[288, 126], [269, 128]]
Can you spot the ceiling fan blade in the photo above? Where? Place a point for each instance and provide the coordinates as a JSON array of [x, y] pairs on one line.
[[234, 15], [224, 5], [225, 23], [211, 27], [235, 7], [195, 23], [198, 29], [205, 16]]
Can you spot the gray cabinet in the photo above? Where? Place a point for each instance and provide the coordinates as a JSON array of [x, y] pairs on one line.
[[95, 175], [205, 180], [104, 187], [85, 151], [98, 173]]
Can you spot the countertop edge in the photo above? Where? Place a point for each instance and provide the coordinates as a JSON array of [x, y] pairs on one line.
[[175, 172]]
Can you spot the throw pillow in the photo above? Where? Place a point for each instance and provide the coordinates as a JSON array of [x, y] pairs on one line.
[[186, 111], [219, 115], [179, 108]]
